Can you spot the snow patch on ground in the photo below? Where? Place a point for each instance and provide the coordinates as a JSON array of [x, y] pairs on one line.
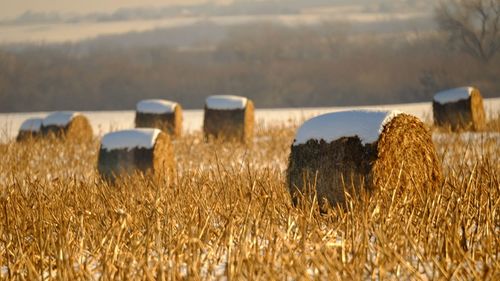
[[226, 102], [366, 124], [129, 139], [59, 118], [31, 125], [481, 146], [107, 121], [4, 271], [156, 106], [453, 95]]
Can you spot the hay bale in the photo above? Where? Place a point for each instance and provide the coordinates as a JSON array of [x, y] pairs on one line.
[[356, 150], [161, 114], [31, 128], [67, 125], [460, 108], [229, 118], [137, 150]]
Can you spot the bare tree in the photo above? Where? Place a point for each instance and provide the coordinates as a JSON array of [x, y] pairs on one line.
[[472, 25]]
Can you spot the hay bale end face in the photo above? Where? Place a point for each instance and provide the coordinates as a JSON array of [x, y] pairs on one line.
[[160, 114], [31, 128], [138, 150], [460, 108], [354, 150], [67, 125], [229, 118]]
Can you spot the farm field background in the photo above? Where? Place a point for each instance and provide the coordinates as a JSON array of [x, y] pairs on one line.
[[105, 121], [227, 213]]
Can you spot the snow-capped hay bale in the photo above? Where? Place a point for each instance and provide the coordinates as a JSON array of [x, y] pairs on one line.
[[229, 117], [460, 108], [67, 125], [137, 150], [161, 114], [30, 128], [354, 150]]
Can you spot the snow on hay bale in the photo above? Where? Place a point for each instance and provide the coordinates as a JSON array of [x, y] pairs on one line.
[[460, 108], [68, 125], [144, 150], [229, 117], [161, 114], [354, 149], [30, 128]]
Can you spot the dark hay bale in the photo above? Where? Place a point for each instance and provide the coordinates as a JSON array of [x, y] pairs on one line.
[[403, 156], [131, 155], [229, 124], [30, 129], [167, 116], [67, 125], [466, 113]]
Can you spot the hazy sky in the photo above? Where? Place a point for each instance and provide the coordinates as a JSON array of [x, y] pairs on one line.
[[12, 8]]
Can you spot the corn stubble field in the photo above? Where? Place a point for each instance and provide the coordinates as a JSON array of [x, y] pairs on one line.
[[228, 215]]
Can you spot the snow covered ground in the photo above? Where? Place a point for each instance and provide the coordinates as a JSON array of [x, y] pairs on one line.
[[106, 121]]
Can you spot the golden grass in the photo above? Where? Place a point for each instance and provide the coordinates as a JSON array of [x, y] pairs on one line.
[[229, 215]]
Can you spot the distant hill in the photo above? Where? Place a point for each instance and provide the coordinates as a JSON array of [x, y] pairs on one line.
[[206, 33], [205, 24], [203, 33], [210, 9]]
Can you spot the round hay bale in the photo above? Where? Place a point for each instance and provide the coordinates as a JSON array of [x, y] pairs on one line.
[[137, 150], [67, 125], [229, 118], [354, 150], [31, 128], [161, 114], [459, 109]]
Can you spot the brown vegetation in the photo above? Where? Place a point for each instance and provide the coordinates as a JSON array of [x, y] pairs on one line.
[[26, 135], [472, 26], [275, 66], [403, 156], [229, 214]]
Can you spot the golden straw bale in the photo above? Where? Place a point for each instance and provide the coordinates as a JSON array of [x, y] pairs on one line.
[[148, 151], [229, 123], [459, 109], [161, 114], [401, 156], [67, 125]]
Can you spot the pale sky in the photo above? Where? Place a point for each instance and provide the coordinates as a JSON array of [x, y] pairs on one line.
[[13, 8]]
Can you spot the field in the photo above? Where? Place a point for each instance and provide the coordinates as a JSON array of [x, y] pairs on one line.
[[228, 215]]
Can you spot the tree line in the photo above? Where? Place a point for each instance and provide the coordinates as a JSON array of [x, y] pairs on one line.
[[276, 66]]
